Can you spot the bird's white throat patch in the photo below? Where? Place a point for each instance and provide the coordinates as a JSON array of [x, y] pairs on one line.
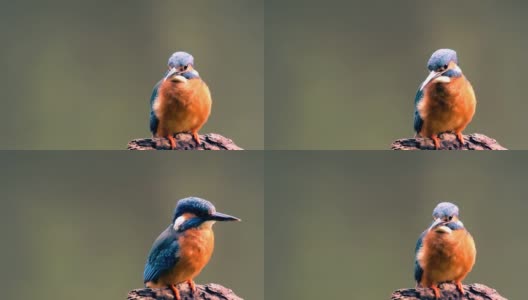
[[179, 78], [443, 229], [442, 79]]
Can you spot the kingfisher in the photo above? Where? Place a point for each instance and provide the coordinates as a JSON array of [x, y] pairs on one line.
[[181, 101], [181, 251], [445, 251], [445, 101]]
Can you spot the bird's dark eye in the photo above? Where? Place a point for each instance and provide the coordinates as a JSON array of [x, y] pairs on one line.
[[445, 67], [450, 218], [185, 68]]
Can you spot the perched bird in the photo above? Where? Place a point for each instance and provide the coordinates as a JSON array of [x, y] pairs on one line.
[[445, 251], [445, 101], [185, 247], [181, 101]]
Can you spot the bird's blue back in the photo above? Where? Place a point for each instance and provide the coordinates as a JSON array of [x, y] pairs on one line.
[[153, 119], [162, 256], [418, 122], [418, 271]]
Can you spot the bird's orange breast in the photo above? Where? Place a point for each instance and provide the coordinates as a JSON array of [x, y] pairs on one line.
[[447, 257], [196, 249], [447, 106], [182, 107]]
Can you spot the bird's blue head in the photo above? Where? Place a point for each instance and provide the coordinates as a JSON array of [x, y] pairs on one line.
[[441, 59], [445, 210], [192, 212], [180, 59], [181, 67], [443, 66], [445, 217]]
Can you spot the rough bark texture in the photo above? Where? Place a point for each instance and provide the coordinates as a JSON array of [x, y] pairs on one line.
[[475, 291], [211, 291], [448, 141], [184, 141]]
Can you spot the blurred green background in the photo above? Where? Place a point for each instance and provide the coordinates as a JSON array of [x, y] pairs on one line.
[[79, 74], [345, 226], [79, 225], [343, 74]]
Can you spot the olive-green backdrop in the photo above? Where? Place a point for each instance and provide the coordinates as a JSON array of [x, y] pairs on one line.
[[79, 74], [344, 226], [343, 74], [79, 225]]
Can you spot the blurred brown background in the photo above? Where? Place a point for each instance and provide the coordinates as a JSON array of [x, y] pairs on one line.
[[344, 226], [79, 74], [343, 74], [79, 225]]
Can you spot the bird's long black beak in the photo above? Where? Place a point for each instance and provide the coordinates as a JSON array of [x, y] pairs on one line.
[[432, 76], [439, 226], [171, 72], [436, 223], [216, 216]]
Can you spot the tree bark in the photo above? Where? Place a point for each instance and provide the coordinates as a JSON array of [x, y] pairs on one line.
[[448, 291], [211, 291], [184, 141], [448, 141]]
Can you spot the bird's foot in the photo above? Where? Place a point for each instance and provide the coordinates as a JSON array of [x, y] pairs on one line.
[[460, 287], [196, 138], [460, 138], [436, 291], [172, 141], [192, 285], [175, 291], [436, 141]]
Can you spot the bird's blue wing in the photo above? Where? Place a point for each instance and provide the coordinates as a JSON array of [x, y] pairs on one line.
[[153, 119], [163, 255], [418, 271], [418, 122]]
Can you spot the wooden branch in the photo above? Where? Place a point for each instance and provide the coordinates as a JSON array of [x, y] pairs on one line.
[[184, 141], [448, 141], [211, 291], [475, 291]]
